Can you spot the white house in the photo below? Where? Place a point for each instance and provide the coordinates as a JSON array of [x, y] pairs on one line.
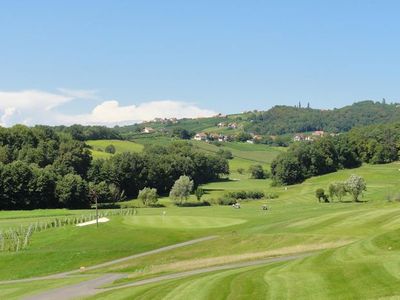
[[222, 138], [233, 126], [200, 136], [298, 138], [148, 130]]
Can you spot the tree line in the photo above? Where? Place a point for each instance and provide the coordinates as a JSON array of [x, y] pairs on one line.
[[84, 133], [41, 167], [373, 144], [281, 120]]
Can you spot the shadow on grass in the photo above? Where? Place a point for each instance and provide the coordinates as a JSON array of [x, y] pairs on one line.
[[193, 204], [223, 180], [214, 190]]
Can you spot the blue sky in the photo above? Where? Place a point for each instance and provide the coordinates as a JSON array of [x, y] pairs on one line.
[[140, 59]]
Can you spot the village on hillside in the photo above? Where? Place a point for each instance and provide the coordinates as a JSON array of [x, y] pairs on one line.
[[235, 128]]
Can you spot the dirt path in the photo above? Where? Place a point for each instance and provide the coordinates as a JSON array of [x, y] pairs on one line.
[[92, 287], [112, 262]]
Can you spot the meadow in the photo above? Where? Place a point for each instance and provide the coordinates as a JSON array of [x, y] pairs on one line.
[[98, 147], [355, 246]]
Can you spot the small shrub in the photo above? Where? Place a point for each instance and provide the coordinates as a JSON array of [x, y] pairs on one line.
[[225, 154], [320, 194], [226, 201], [199, 192], [271, 196], [110, 149], [237, 195], [257, 172], [245, 195], [240, 171]]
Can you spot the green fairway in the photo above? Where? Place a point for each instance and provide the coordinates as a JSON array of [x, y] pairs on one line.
[[182, 222], [66, 248]]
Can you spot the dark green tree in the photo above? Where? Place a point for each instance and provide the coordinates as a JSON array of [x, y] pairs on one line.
[[73, 192], [110, 149]]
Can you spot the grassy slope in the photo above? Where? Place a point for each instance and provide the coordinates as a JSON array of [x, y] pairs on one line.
[[120, 146], [244, 154]]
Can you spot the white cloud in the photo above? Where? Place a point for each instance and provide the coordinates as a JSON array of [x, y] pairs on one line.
[[112, 113], [39, 107], [8, 113], [81, 94], [32, 99]]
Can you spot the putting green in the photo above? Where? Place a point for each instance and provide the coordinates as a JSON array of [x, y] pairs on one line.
[[186, 222]]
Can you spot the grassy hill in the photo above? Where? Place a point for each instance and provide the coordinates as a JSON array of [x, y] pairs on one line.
[[357, 243]]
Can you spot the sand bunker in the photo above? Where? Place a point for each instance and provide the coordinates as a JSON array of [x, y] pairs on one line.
[[101, 220]]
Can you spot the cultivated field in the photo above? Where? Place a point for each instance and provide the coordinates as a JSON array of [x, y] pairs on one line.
[[355, 246]]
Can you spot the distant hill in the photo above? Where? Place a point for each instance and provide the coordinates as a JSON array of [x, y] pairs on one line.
[[279, 120], [284, 119]]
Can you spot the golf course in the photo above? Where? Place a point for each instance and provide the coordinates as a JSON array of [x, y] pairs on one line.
[[199, 150], [351, 250]]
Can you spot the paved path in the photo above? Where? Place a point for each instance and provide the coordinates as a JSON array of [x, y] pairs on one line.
[[79, 290], [92, 287], [112, 262]]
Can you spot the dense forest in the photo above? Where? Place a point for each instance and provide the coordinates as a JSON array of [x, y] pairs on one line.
[[375, 144], [285, 119], [41, 167]]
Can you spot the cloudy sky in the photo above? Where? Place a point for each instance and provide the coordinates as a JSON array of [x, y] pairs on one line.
[[39, 107], [118, 62]]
